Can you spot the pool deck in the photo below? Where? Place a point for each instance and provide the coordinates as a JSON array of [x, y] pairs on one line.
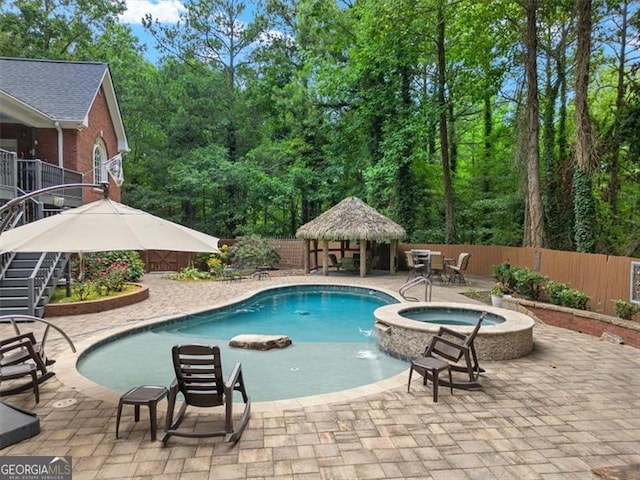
[[569, 407]]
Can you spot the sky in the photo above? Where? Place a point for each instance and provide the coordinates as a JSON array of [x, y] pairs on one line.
[[166, 11]]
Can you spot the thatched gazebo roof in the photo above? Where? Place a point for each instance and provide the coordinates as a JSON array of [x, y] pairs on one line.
[[351, 219]]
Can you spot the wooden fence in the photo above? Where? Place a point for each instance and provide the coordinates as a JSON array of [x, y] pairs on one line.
[[603, 277]]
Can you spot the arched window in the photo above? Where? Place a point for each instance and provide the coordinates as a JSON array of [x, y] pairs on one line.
[[99, 162]]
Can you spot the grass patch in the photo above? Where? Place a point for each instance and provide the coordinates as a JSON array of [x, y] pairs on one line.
[[480, 295], [60, 294]]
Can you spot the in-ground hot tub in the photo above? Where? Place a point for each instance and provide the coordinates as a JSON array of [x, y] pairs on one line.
[[404, 329]]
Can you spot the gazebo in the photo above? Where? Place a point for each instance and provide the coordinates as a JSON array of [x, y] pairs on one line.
[[351, 219]]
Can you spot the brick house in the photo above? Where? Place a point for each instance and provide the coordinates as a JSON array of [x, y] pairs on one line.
[[59, 123]]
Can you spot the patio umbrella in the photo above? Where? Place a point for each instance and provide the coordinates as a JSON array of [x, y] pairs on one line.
[[105, 225]]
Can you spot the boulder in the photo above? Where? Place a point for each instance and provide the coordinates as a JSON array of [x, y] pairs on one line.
[[259, 342]]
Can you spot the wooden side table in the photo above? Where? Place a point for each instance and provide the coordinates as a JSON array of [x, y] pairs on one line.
[[434, 366], [148, 395]]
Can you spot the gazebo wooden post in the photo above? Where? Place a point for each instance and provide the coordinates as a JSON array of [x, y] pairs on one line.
[[393, 257], [363, 258], [325, 257], [315, 253], [306, 255]]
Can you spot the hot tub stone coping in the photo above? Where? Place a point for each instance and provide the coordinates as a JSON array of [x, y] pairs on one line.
[[391, 315], [405, 338]]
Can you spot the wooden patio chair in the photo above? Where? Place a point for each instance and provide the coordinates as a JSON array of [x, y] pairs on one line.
[[18, 359], [459, 351], [199, 379]]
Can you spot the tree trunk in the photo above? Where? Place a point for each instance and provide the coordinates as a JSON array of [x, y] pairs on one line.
[[584, 208], [534, 224], [450, 229], [488, 147], [614, 183]]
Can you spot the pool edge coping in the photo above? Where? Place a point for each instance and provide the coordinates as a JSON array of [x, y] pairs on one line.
[[68, 374]]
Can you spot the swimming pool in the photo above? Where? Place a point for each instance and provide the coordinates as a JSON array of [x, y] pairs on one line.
[[330, 326]]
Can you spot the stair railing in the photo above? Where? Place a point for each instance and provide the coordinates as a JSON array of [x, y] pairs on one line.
[[39, 279], [5, 260]]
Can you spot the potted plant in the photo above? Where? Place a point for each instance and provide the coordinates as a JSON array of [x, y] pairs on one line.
[[497, 292]]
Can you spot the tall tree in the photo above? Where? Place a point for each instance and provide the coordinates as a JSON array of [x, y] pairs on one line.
[[584, 206], [534, 212], [450, 228], [213, 33], [556, 34], [614, 183], [57, 29]]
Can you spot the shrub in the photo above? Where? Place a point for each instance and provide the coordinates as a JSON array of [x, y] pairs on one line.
[[562, 294], [82, 290], [500, 272], [253, 250], [115, 276], [504, 274], [188, 273], [499, 290], [626, 310], [528, 283], [217, 261], [96, 263]]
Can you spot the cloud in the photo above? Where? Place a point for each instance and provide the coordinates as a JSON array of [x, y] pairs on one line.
[[166, 11]]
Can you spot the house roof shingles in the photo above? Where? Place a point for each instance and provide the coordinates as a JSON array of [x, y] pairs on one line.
[[61, 90]]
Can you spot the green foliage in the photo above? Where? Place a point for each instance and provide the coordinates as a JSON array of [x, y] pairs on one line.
[[82, 290], [115, 276], [498, 289], [217, 261], [187, 274], [521, 280], [562, 294], [252, 251], [626, 310], [585, 236], [234, 136], [96, 263], [528, 283], [504, 274], [501, 272], [57, 29]]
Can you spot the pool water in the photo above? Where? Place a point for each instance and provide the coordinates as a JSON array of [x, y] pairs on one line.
[[331, 329], [450, 316]]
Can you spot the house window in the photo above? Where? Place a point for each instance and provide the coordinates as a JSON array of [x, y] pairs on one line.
[[99, 163]]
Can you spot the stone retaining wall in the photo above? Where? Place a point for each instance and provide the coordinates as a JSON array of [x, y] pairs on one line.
[[100, 305], [407, 339], [582, 321]]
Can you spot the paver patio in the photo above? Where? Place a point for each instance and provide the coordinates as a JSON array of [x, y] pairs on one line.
[[570, 406]]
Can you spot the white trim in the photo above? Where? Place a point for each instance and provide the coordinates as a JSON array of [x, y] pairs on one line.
[[634, 283], [99, 146]]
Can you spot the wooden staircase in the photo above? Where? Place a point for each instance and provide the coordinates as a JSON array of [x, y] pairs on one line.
[[27, 281]]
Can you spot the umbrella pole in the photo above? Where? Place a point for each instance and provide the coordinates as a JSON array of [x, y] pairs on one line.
[[68, 277]]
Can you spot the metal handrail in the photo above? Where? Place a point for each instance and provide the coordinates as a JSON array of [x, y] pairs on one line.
[[412, 283], [5, 261], [39, 279], [30, 318]]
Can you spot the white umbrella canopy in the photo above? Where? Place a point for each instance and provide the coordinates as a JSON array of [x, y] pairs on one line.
[[103, 226]]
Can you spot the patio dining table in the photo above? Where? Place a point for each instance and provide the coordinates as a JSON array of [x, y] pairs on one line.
[[436, 264]]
